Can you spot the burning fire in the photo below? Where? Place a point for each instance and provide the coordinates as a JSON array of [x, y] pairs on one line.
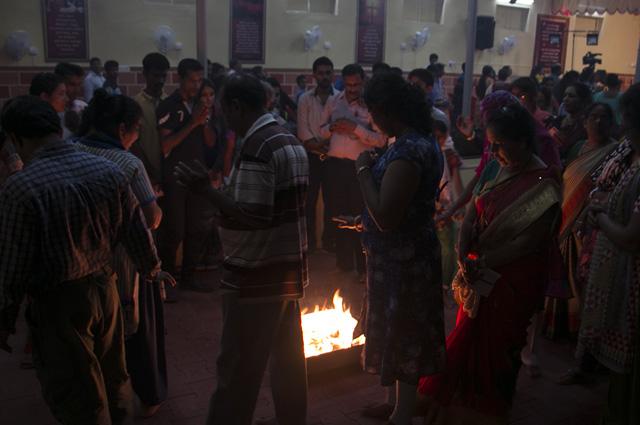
[[328, 329]]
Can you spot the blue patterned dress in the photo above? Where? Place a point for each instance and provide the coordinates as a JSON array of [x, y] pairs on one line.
[[404, 325]]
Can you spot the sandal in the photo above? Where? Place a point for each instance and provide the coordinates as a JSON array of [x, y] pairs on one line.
[[575, 376]]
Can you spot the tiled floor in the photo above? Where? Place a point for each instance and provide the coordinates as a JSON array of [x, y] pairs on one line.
[[334, 397]]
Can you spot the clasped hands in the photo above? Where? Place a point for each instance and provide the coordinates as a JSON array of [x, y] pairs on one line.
[[343, 126]]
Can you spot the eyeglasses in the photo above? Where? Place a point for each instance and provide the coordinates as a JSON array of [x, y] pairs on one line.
[[596, 118]]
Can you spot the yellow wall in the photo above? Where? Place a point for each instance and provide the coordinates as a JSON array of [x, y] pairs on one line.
[[122, 30], [618, 43]]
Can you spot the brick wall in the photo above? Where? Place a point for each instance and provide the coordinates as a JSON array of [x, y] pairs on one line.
[[14, 81]]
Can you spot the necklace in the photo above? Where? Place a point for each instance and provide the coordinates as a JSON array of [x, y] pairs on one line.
[[501, 184]]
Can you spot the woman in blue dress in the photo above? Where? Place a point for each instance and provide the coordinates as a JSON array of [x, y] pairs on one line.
[[404, 322]]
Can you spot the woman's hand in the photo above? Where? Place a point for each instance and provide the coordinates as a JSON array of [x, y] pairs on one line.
[[200, 114], [465, 125], [459, 214], [366, 158], [165, 277], [348, 222], [442, 219], [594, 208], [469, 269]]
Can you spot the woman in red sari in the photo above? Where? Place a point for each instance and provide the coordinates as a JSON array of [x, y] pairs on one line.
[[503, 251]]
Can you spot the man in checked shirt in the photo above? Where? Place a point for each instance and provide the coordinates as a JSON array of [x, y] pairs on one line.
[[59, 218]]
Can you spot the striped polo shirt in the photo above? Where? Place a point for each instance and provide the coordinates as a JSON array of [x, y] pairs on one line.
[[269, 182]]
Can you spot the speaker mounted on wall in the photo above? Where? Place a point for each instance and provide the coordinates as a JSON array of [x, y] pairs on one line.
[[485, 27]]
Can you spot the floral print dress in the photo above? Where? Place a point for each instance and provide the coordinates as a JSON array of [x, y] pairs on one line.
[[404, 325]]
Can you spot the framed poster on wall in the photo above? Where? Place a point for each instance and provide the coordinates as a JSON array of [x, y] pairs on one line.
[[370, 31], [247, 31], [551, 40], [66, 35]]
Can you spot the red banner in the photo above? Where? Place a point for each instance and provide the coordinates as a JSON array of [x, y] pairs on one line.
[[551, 40], [66, 34], [370, 31], [247, 30]]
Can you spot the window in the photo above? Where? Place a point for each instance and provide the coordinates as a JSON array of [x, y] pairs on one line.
[[312, 6], [585, 23], [511, 18], [423, 10]]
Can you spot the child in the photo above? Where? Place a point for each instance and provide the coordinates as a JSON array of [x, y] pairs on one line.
[[450, 180]]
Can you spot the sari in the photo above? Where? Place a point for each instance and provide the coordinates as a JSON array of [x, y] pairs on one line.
[[562, 305], [483, 351]]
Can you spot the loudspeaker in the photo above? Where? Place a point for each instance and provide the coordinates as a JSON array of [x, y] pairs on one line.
[[485, 26]]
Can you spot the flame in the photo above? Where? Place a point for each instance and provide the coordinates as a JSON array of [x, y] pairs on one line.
[[328, 329]]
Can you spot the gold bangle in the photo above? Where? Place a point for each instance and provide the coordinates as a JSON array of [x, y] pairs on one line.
[[361, 169], [473, 136]]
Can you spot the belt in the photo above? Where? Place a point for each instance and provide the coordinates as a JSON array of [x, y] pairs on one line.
[[325, 157]]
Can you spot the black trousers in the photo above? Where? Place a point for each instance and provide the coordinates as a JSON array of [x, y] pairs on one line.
[[182, 221], [318, 175], [346, 199]]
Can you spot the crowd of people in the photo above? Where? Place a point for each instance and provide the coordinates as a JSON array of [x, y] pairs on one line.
[[230, 169]]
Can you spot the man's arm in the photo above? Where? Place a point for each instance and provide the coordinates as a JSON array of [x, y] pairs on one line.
[[197, 182], [325, 121], [17, 252], [304, 109], [373, 137], [305, 134]]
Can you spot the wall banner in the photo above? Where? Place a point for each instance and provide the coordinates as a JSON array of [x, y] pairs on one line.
[[66, 34], [551, 40], [247, 31], [370, 31]]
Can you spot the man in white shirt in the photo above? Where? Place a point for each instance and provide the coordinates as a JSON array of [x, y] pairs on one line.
[[310, 107], [94, 79], [72, 75], [348, 124]]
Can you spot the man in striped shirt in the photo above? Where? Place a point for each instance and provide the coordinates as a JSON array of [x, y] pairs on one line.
[[264, 239]]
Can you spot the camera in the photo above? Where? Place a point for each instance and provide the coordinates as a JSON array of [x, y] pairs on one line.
[[591, 59]]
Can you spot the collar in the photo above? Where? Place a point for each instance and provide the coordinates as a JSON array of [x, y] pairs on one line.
[[48, 149], [333, 91], [357, 101], [151, 98], [259, 123], [101, 140]]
